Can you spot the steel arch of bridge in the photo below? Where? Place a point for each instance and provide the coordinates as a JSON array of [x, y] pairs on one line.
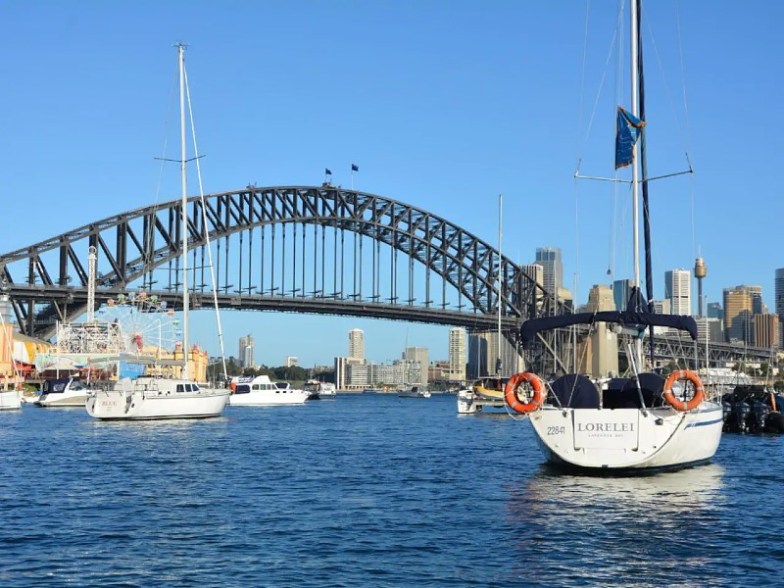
[[141, 249]]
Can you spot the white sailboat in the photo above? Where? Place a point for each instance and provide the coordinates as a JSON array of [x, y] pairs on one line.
[[147, 398], [10, 396], [638, 423]]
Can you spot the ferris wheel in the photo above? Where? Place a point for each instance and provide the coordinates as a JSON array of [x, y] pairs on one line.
[[144, 322]]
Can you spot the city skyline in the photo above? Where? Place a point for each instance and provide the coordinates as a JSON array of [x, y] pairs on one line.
[[114, 66]]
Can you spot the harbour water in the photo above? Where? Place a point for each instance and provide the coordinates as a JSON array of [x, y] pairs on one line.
[[366, 490]]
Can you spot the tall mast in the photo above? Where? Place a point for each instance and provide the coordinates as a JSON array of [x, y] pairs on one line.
[[635, 166], [498, 362], [184, 219]]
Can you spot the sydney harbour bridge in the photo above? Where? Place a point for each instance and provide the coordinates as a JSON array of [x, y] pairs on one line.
[[300, 249]]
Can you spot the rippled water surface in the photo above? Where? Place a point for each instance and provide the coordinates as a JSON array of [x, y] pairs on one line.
[[369, 490]]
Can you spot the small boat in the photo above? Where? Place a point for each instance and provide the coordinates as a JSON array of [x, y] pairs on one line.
[[489, 388], [318, 390], [414, 392], [181, 397], [261, 391], [63, 392], [10, 399]]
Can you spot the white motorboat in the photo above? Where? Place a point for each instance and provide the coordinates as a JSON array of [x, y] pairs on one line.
[[67, 392], [147, 398], [414, 392], [261, 391], [641, 422], [320, 390], [10, 399]]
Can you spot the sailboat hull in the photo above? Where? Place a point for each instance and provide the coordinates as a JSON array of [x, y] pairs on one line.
[[10, 400], [162, 400], [628, 439]]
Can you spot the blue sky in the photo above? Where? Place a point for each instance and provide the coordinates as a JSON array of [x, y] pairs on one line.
[[442, 104]]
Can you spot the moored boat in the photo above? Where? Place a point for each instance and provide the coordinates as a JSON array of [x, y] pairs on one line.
[[146, 398], [642, 422], [261, 391], [414, 392], [10, 399], [64, 392]]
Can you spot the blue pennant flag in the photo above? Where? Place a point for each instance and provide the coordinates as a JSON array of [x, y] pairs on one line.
[[354, 167], [327, 171], [627, 131]]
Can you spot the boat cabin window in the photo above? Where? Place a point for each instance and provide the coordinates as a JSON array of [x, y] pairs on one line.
[[180, 388]]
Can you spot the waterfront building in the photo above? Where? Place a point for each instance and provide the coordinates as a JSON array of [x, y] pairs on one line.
[[291, 361], [677, 289], [420, 356], [356, 344], [550, 260], [457, 354], [247, 354], [350, 374]]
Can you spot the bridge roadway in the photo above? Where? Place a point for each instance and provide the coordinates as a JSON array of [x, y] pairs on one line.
[[303, 249]]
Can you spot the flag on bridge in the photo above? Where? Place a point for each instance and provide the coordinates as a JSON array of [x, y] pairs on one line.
[[354, 167]]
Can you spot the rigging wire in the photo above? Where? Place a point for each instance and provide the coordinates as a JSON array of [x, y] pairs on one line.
[[208, 244]]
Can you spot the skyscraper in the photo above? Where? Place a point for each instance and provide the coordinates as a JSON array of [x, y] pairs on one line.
[[457, 354], [356, 344], [621, 290], [779, 301], [550, 260], [677, 289], [247, 355], [737, 314], [418, 355]]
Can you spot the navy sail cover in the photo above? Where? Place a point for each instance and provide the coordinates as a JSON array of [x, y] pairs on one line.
[[627, 318]]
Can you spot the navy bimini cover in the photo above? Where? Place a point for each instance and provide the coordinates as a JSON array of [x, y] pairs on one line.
[[627, 318]]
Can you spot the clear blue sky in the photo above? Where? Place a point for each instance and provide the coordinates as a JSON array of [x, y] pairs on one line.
[[442, 104]]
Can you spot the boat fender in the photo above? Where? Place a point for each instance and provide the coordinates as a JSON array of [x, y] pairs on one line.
[[513, 400], [680, 405]]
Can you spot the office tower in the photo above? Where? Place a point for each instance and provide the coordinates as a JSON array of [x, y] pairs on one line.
[[247, 355], [766, 331], [417, 355], [457, 354], [356, 344], [677, 289], [715, 310], [737, 314], [550, 260], [536, 272], [621, 291]]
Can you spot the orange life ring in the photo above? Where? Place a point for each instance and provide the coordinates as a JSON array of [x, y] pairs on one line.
[[680, 405], [510, 392]]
